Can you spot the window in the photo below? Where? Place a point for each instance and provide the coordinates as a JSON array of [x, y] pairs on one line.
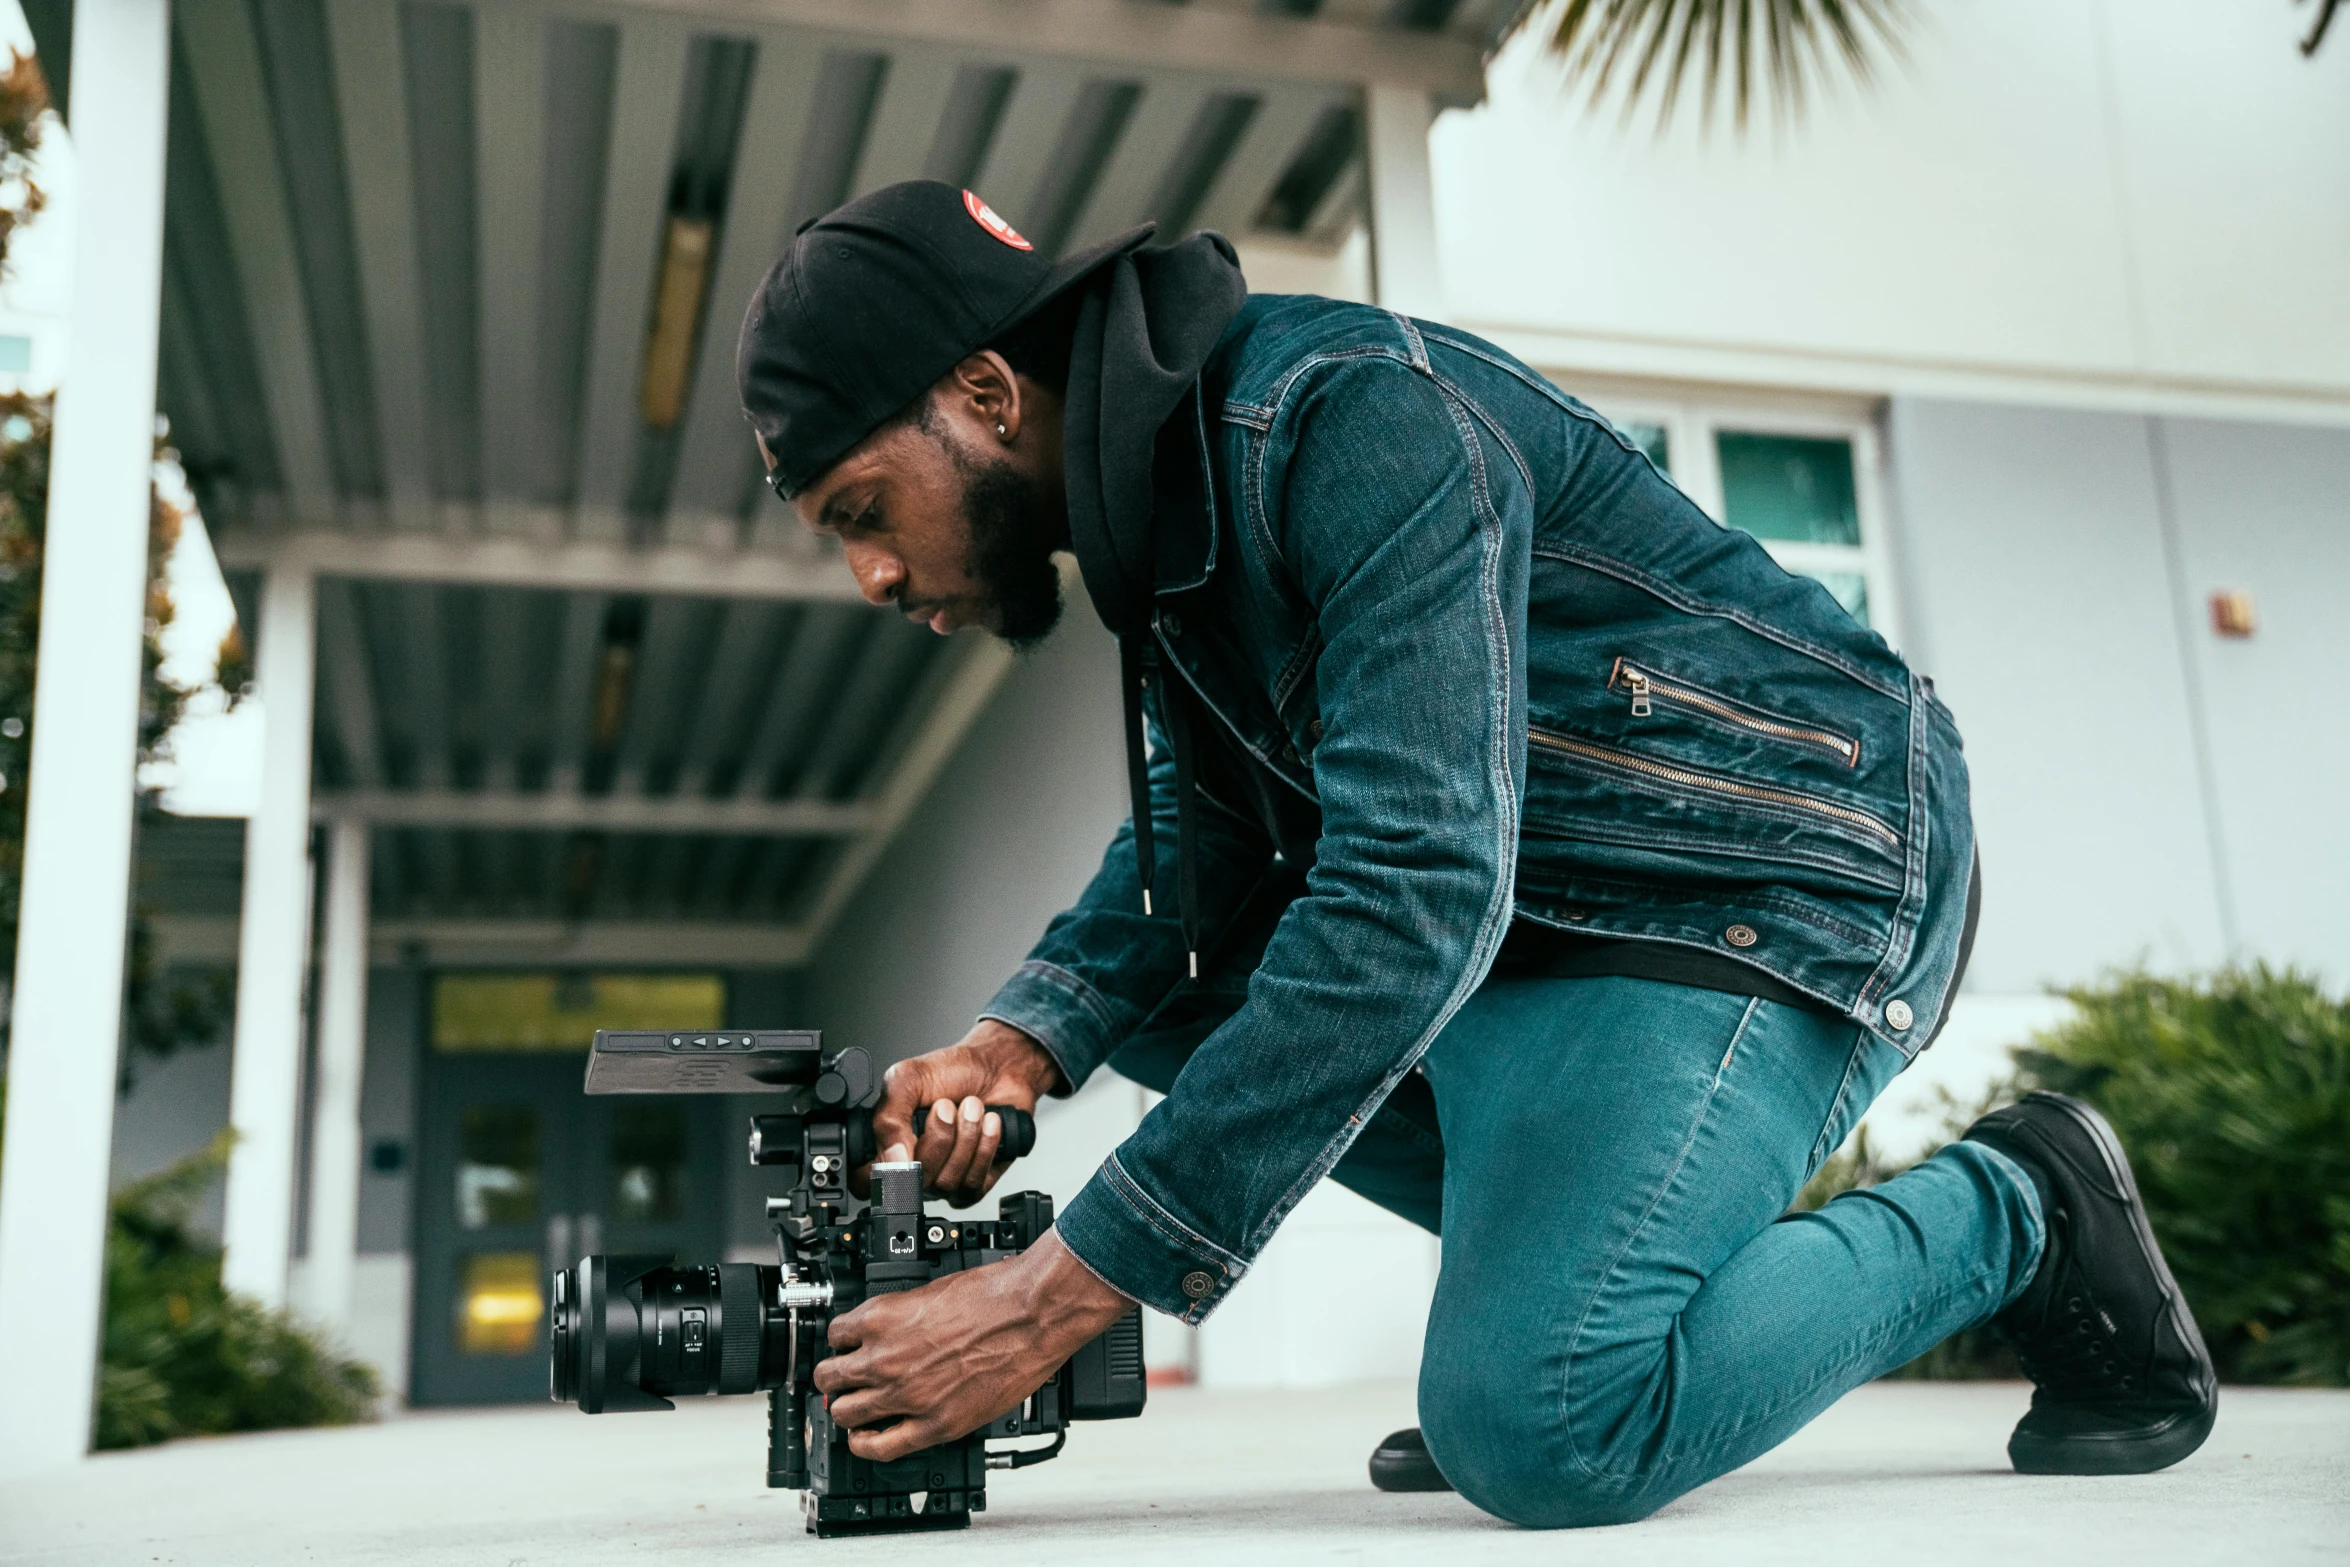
[[1800, 478]]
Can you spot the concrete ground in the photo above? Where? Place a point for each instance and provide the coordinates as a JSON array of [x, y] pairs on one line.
[[1906, 1473]]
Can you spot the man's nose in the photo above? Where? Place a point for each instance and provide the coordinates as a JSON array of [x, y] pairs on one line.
[[880, 575]]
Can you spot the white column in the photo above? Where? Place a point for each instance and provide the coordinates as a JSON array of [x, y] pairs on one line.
[[77, 862], [1404, 271], [273, 950], [342, 1053]]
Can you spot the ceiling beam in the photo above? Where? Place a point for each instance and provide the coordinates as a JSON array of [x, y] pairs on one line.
[[510, 161], [961, 699], [350, 686], [521, 563], [369, 79], [914, 95], [232, 102], [1011, 178], [1138, 35], [1275, 132], [1130, 184], [809, 658], [736, 673], [529, 812], [578, 663], [459, 943], [650, 82], [715, 456]]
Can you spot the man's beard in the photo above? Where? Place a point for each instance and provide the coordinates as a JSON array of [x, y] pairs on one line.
[[1011, 548]]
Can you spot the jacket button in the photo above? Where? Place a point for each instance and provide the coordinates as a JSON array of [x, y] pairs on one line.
[[1314, 731], [1740, 936], [1171, 623], [1898, 1015], [1289, 755], [1197, 1283]]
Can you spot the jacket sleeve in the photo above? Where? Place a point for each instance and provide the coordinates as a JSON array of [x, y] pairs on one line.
[[1102, 967], [1374, 488]]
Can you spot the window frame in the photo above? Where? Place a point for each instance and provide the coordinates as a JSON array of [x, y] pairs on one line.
[[1692, 417]]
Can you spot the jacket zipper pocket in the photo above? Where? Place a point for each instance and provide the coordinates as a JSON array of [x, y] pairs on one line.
[[1648, 688], [1610, 756]]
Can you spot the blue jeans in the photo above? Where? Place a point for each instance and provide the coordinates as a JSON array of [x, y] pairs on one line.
[[1626, 1308]]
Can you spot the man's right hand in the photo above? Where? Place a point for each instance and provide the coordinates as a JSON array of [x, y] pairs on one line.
[[994, 1064]]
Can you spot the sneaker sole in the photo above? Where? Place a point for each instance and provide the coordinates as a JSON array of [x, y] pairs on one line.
[[2160, 1446], [1406, 1472], [2138, 1453]]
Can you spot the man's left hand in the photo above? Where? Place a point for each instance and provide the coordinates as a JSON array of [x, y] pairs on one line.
[[925, 1366]]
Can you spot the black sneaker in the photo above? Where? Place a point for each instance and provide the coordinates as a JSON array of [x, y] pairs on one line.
[[2123, 1384], [1401, 1463]]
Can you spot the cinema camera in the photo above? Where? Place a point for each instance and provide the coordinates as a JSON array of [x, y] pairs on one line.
[[628, 1333]]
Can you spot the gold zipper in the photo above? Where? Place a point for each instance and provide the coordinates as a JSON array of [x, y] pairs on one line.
[[1609, 756], [1643, 685]]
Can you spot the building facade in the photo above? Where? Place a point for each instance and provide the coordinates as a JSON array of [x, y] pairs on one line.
[[2036, 354]]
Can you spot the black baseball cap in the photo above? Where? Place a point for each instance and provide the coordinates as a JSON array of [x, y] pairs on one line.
[[873, 303]]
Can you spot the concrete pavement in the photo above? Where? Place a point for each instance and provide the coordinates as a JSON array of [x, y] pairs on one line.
[[1904, 1473]]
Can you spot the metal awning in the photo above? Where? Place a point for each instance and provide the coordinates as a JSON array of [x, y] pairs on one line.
[[450, 298]]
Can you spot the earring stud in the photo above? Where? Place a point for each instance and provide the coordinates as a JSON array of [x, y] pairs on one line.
[[1000, 430]]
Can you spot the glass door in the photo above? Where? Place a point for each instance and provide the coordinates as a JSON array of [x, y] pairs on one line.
[[520, 1172], [498, 1172]]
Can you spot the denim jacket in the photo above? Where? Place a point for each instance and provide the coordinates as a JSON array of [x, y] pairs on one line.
[[1515, 673]]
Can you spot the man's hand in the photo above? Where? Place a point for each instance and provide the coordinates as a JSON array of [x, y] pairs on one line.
[[994, 1064], [925, 1366]]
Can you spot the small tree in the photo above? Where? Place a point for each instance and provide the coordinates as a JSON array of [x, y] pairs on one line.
[[161, 1014]]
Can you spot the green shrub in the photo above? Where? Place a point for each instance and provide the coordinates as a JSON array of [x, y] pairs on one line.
[[182, 1356], [2232, 1095]]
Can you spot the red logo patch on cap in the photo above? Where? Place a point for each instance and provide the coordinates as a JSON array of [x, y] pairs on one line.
[[984, 215]]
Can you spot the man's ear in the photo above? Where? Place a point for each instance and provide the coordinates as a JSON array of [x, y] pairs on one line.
[[988, 386]]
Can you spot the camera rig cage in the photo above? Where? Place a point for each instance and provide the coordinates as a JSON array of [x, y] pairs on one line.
[[631, 1332]]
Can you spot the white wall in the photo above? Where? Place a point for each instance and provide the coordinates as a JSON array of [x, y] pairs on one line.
[[2267, 510], [2145, 790], [2038, 602], [2056, 193]]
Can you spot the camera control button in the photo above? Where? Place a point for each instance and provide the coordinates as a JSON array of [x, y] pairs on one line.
[[1197, 1283]]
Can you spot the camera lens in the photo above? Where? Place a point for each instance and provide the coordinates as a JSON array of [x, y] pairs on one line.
[[633, 1332]]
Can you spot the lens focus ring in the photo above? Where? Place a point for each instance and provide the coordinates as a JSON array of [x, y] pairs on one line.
[[741, 1327]]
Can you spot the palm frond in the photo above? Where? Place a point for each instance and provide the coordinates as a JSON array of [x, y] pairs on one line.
[[1747, 50]]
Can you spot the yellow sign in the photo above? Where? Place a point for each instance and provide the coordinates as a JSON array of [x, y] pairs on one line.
[[498, 1303], [563, 1011]]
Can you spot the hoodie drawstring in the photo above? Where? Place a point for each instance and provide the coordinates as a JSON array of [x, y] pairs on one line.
[[1138, 661]]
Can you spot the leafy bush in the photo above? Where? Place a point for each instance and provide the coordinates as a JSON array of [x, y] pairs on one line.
[[182, 1356], [2232, 1095]]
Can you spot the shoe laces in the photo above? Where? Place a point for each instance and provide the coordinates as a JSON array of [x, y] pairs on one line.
[[2074, 1351]]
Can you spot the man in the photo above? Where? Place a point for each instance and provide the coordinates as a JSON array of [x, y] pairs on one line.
[[1515, 845]]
